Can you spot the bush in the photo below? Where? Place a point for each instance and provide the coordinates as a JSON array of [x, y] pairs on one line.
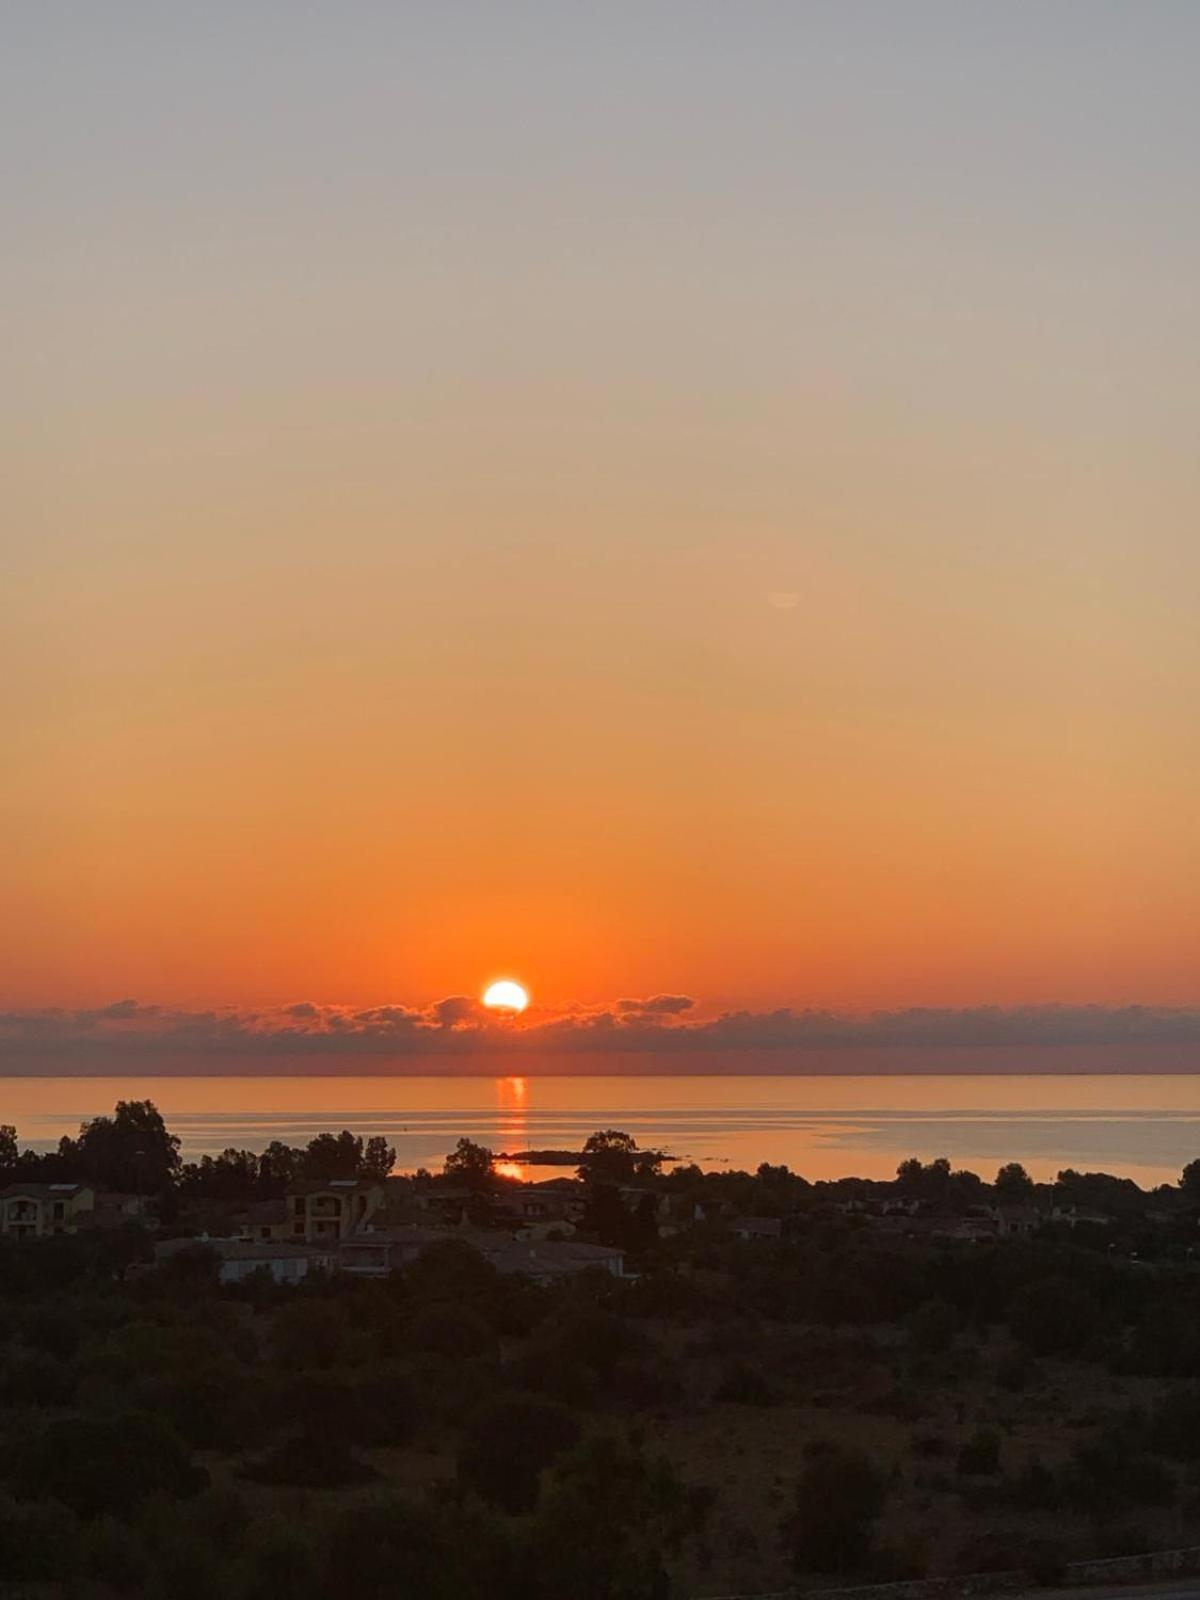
[[1045, 1563], [310, 1461], [1016, 1371], [839, 1497], [280, 1563], [903, 1561], [980, 1455], [1054, 1317], [108, 1464], [1035, 1488], [932, 1328], [309, 1333], [451, 1330], [38, 1543], [744, 1385], [114, 1556], [507, 1446]]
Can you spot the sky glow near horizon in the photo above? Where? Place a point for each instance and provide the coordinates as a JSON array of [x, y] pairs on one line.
[[663, 500]]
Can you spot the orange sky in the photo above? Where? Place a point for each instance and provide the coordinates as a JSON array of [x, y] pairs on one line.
[[472, 509]]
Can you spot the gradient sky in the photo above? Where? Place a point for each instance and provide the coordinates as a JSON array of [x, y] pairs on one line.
[[649, 497]]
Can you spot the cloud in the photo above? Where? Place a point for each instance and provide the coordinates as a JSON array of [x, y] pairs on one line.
[[658, 1005], [459, 1026]]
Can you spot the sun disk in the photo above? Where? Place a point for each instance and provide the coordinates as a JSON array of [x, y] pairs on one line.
[[505, 995]]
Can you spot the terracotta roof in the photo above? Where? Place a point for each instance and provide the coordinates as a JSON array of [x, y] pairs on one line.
[[263, 1212], [766, 1227], [304, 1186], [42, 1191], [234, 1249]]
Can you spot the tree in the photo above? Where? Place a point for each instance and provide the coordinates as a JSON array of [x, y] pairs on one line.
[[233, 1175], [470, 1164], [608, 1517], [507, 1445], [130, 1151], [609, 1156], [309, 1333], [378, 1159], [9, 1151], [108, 1464], [1013, 1185], [279, 1167], [332, 1156], [924, 1181], [1189, 1183], [932, 1327], [839, 1497], [1053, 1317]]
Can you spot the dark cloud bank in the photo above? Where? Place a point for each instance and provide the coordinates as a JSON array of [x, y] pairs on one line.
[[659, 1033]]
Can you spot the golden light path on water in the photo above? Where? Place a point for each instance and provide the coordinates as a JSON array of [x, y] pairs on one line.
[[1145, 1127]]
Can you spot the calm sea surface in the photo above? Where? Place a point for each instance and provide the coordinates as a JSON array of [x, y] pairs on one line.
[[1142, 1127]]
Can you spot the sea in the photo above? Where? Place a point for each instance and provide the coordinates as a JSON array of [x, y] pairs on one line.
[[1145, 1127]]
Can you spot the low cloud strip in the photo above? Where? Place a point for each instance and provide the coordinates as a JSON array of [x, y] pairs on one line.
[[459, 1025]]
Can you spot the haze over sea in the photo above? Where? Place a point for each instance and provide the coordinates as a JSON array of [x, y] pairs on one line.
[[1145, 1127]]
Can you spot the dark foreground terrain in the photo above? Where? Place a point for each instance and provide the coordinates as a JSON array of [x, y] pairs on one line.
[[765, 1383]]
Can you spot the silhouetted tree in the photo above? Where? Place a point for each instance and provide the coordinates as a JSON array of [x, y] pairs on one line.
[[929, 1182], [1189, 1183], [470, 1164], [379, 1158], [107, 1464], [233, 1175], [278, 1167], [332, 1156], [610, 1156], [1013, 1185], [9, 1150], [839, 1497], [608, 1518], [130, 1151]]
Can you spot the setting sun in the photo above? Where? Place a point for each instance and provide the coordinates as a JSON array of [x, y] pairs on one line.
[[505, 995]]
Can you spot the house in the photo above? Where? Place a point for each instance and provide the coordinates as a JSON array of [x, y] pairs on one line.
[[241, 1258], [446, 1202], [264, 1219], [548, 1261], [35, 1210], [756, 1229], [1074, 1216], [323, 1210], [375, 1252], [1016, 1222]]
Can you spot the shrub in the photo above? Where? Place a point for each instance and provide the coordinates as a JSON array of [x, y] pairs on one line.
[[1054, 1317], [38, 1543], [507, 1446], [310, 1461], [744, 1385], [1035, 1488], [108, 1464], [932, 1327], [309, 1333], [980, 1455], [452, 1330], [1045, 1563], [839, 1496]]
